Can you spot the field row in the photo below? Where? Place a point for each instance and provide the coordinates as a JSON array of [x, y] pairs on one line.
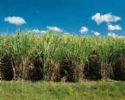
[[56, 57]]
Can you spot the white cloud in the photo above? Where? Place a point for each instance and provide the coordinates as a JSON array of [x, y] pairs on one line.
[[54, 28], [111, 34], [96, 33], [115, 27], [121, 36], [114, 35], [37, 31], [84, 30], [66, 33], [15, 20], [98, 18]]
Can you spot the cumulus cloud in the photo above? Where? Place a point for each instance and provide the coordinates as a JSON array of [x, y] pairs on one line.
[[111, 34], [84, 30], [98, 18], [54, 28], [15, 20], [66, 33], [37, 31], [115, 27], [96, 33], [114, 35]]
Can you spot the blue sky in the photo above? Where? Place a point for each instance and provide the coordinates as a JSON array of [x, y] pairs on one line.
[[73, 16]]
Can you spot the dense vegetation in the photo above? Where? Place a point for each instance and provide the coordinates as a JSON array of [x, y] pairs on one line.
[[56, 57], [55, 91]]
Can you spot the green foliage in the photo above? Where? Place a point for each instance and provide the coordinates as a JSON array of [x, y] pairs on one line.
[[55, 46]]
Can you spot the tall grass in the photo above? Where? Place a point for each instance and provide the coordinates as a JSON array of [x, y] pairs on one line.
[[55, 46]]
